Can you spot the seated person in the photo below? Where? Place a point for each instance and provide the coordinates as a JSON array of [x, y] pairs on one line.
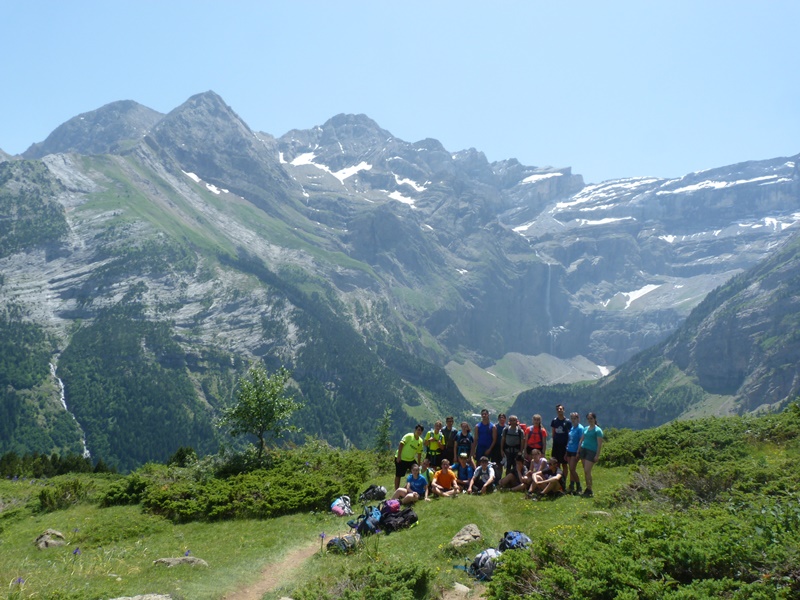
[[416, 488], [464, 471], [517, 475], [538, 463], [548, 481], [426, 471], [445, 481], [483, 480]]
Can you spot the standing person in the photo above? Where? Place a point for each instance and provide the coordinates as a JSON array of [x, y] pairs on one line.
[[573, 445], [591, 444], [434, 444], [497, 452], [445, 481], [559, 428], [511, 443], [464, 471], [464, 443], [483, 479], [449, 432], [416, 488], [537, 437], [485, 436], [409, 451]]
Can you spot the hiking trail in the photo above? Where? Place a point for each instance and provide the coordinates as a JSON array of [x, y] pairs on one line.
[[273, 574]]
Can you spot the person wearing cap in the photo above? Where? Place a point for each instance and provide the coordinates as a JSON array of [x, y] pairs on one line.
[[464, 471], [483, 479], [408, 453]]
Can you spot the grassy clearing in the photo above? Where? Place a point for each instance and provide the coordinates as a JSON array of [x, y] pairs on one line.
[[110, 551]]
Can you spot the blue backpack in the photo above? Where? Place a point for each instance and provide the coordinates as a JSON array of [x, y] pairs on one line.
[[514, 540], [367, 522]]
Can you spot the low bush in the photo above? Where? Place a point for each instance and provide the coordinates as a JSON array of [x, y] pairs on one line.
[[64, 494], [305, 478], [374, 581]]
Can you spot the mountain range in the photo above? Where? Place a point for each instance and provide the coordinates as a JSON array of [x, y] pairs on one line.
[[147, 259]]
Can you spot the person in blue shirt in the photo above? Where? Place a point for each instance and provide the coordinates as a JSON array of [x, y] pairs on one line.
[[589, 453], [573, 445], [464, 471], [416, 488]]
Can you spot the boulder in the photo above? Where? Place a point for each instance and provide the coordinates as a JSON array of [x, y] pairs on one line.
[[49, 539], [468, 534], [181, 560]]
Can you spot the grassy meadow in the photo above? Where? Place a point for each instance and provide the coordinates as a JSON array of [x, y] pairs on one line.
[[694, 509]]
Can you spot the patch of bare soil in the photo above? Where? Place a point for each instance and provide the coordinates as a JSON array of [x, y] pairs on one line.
[[274, 574]]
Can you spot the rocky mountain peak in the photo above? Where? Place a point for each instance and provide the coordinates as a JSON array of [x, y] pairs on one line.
[[206, 137], [107, 130]]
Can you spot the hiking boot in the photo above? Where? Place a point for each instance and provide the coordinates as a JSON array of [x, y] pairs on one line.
[[588, 493], [578, 490], [571, 487]]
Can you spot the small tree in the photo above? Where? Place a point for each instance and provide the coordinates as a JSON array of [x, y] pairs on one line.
[[383, 433], [263, 406]]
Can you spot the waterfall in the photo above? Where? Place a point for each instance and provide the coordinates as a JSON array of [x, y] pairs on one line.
[[63, 399]]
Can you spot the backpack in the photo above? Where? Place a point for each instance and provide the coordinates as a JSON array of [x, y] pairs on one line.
[[514, 540], [399, 520], [368, 522], [341, 506], [390, 507], [373, 492], [344, 544], [484, 564]]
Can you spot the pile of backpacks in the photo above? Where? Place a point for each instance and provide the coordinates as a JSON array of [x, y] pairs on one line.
[[386, 517], [484, 564]]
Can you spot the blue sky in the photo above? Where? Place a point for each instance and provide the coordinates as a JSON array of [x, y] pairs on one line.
[[612, 89]]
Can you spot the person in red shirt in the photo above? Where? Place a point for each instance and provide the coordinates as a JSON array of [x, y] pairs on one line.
[[537, 437]]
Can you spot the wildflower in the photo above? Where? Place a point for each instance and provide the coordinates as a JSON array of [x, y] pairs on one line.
[[76, 552], [322, 535], [187, 553], [19, 581]]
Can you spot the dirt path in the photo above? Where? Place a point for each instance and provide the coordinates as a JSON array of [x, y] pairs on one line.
[[274, 574]]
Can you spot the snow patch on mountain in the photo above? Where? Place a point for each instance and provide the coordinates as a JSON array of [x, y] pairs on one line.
[[540, 177], [413, 184], [307, 158], [717, 185]]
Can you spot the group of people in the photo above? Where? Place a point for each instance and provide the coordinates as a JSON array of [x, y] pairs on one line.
[[506, 455]]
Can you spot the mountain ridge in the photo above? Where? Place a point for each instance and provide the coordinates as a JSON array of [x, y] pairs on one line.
[[248, 247]]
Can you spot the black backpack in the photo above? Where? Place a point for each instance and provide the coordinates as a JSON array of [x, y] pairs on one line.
[[399, 520], [373, 492]]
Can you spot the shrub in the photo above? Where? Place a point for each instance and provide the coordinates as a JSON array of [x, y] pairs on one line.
[[64, 494], [375, 581]]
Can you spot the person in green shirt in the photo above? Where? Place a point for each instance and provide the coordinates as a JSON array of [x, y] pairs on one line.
[[434, 444], [409, 452]]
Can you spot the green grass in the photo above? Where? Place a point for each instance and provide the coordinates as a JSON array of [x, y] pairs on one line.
[[119, 544]]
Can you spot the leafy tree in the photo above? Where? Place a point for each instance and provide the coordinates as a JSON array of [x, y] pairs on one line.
[[263, 406]]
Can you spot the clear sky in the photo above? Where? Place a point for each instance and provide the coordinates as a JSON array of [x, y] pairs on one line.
[[612, 89]]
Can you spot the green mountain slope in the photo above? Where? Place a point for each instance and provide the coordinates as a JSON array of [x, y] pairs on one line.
[[738, 351]]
